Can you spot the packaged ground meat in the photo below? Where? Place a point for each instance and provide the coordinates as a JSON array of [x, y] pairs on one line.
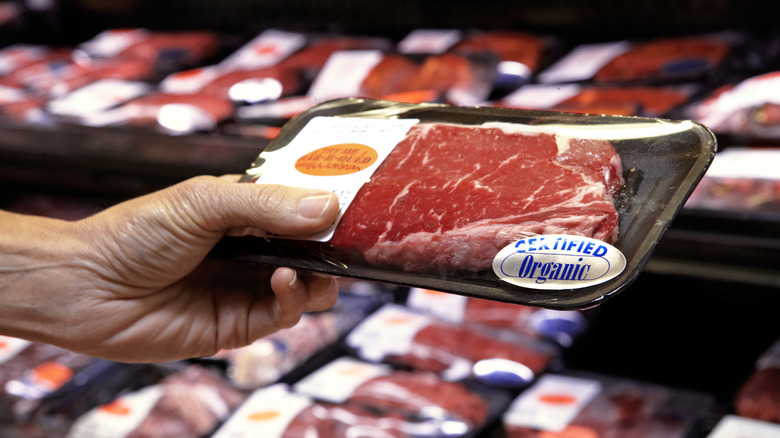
[[759, 396], [190, 403], [395, 334], [589, 405], [474, 200]]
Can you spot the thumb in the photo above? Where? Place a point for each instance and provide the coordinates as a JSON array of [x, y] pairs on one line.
[[221, 205]]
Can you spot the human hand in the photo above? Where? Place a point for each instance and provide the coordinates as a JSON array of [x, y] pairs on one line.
[[132, 283]]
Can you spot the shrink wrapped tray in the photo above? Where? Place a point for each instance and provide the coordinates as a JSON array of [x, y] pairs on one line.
[[429, 409], [397, 335], [279, 354], [409, 394], [29, 371], [560, 326], [189, 403], [759, 396], [741, 179], [465, 194], [591, 405]]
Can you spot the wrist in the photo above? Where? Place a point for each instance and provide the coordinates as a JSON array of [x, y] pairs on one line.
[[37, 260]]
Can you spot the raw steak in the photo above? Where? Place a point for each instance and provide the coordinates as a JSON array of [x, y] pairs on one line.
[[450, 197]]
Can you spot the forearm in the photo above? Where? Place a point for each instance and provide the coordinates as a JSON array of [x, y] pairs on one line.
[[38, 264]]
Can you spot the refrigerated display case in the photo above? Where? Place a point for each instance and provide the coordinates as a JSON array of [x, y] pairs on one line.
[[697, 318]]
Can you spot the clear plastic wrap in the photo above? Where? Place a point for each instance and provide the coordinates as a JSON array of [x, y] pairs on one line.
[[560, 326], [590, 405], [190, 403], [661, 160], [397, 335], [741, 179], [759, 396], [30, 372], [267, 360]]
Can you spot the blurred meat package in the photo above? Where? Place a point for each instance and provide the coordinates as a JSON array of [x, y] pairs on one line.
[[397, 335], [188, 403], [348, 398], [30, 371], [759, 396], [560, 326], [750, 108], [662, 60], [270, 358], [741, 180], [593, 406], [624, 100]]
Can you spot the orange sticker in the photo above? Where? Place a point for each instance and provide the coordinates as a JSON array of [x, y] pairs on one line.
[[571, 432], [116, 407], [263, 415], [557, 399], [338, 159], [51, 375]]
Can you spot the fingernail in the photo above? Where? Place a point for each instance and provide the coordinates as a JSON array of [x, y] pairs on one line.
[[313, 207], [294, 282]]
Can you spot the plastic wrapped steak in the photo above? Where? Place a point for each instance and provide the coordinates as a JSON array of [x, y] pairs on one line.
[[450, 197]]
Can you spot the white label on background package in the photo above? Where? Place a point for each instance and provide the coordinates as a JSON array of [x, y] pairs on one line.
[[266, 413], [333, 153], [552, 403], [344, 73], [338, 380], [540, 96], [96, 97], [732, 426], [390, 331], [429, 41], [10, 347], [118, 418], [265, 50], [583, 62], [445, 306]]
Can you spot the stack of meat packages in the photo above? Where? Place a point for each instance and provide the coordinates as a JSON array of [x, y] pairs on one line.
[[184, 82]]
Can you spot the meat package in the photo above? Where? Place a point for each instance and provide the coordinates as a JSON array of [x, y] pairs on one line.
[[275, 356], [748, 108], [347, 397], [646, 101], [599, 406], [741, 180], [397, 335], [663, 60], [560, 326], [189, 403], [759, 396], [456, 199], [31, 371]]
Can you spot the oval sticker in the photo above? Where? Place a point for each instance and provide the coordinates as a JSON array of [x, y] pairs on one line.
[[558, 261], [337, 159]]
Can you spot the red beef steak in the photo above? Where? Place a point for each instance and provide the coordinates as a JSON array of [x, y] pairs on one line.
[[449, 197]]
